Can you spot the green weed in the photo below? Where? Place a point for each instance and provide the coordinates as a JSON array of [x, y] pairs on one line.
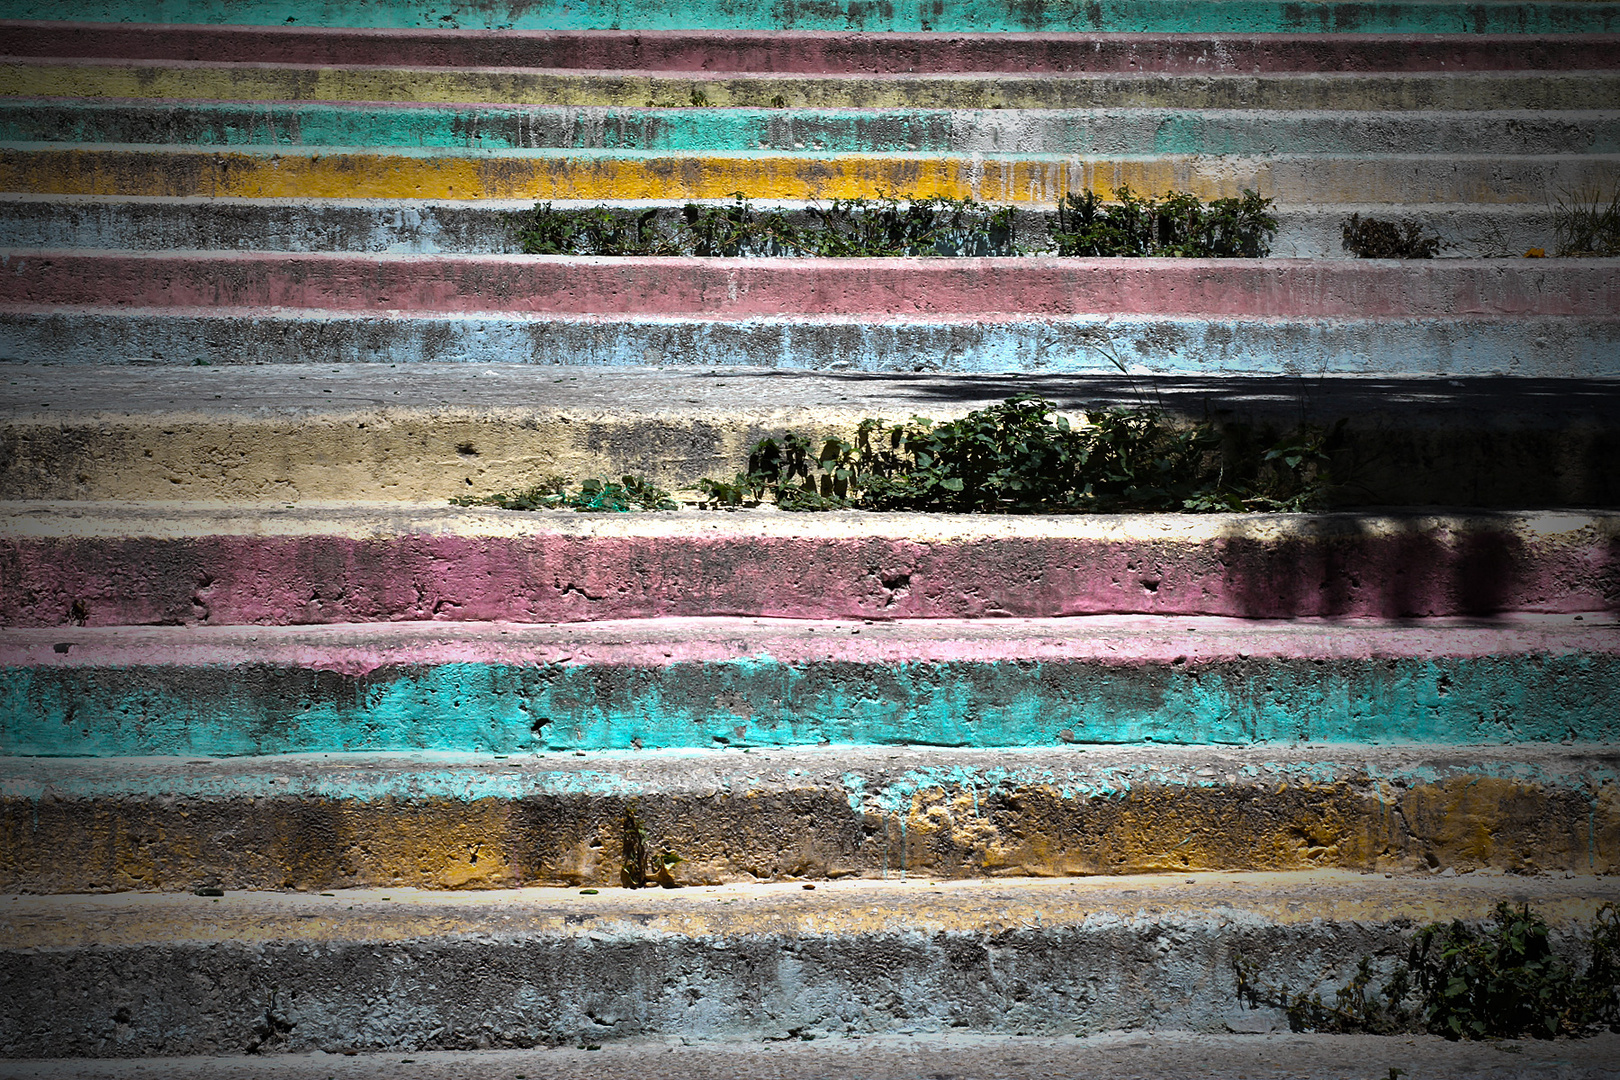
[[1374, 238], [1179, 224], [1021, 457], [553, 493], [1586, 226], [1502, 980]]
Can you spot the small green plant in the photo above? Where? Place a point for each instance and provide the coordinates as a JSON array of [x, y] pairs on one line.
[[1021, 456], [886, 227], [1180, 224], [1586, 226], [1502, 980], [553, 493], [698, 98], [1375, 238]]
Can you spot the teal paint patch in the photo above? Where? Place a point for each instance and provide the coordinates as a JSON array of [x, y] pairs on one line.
[[811, 131], [1158, 16], [488, 708]]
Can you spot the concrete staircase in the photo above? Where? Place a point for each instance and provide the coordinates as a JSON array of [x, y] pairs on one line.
[[300, 757]]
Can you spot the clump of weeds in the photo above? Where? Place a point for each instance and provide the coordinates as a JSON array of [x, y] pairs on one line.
[[1501, 980], [556, 493], [1587, 226], [1178, 224], [1375, 238], [1022, 457]]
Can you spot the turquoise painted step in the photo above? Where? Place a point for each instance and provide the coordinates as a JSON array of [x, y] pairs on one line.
[[1113, 131], [735, 682], [1158, 16]]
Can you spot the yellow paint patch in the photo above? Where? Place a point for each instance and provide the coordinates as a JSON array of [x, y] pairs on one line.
[[592, 177]]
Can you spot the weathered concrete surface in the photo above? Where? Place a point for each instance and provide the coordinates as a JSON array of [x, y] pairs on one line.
[[816, 53], [403, 971], [311, 433], [1244, 132], [201, 81], [471, 821], [417, 226], [598, 175], [110, 566], [1149, 16], [651, 683], [754, 288], [1164, 1055], [1519, 346]]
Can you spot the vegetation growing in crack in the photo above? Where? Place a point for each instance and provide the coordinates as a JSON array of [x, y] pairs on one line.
[[1502, 980], [1021, 457], [1375, 238], [1018, 457], [640, 868], [1179, 224], [557, 493], [1587, 226]]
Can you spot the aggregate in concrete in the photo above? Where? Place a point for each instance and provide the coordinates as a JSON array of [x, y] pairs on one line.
[[399, 971]]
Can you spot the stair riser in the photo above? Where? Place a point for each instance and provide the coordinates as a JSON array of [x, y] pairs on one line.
[[168, 696], [733, 288], [595, 176], [1149, 16], [72, 828], [812, 53], [425, 228], [558, 577], [192, 975], [1513, 346], [824, 132], [209, 83]]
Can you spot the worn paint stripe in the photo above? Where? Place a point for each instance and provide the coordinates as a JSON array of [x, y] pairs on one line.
[[1152, 16], [1519, 346], [425, 564], [610, 175], [744, 288], [122, 79], [1136, 131], [716, 682], [438, 822], [817, 53]]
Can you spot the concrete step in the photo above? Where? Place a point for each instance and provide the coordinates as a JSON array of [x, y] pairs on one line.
[[606, 176], [655, 683], [100, 564], [424, 227], [1169, 1055], [457, 820], [176, 80], [754, 288], [1454, 317], [1145, 16], [1242, 132], [816, 52], [140, 976], [282, 434]]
